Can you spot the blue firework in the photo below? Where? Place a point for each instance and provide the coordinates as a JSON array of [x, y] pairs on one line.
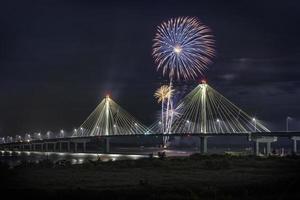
[[183, 47]]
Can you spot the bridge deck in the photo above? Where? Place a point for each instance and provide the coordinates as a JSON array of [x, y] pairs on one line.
[[253, 134]]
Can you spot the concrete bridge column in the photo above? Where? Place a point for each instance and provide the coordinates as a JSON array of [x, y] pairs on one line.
[[54, 146], [203, 144], [46, 146], [107, 145], [75, 147], [264, 139], [268, 148], [84, 146], [69, 146], [295, 139], [256, 148], [60, 146]]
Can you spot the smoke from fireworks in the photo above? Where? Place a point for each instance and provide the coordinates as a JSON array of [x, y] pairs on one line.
[[183, 47]]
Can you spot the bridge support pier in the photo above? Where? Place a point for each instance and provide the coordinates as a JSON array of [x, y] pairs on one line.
[[203, 144], [54, 147], [295, 140], [107, 145], [84, 146], [75, 147], [267, 140], [69, 146], [60, 147]]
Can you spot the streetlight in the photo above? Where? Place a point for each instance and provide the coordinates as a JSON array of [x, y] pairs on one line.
[[287, 123], [97, 130], [62, 133], [136, 127], [28, 137], [188, 125], [254, 120], [161, 127], [48, 134], [74, 132], [219, 125]]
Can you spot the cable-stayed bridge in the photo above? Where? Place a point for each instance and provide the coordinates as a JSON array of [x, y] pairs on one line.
[[204, 113]]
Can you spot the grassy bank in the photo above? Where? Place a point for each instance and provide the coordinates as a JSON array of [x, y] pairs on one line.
[[194, 177]]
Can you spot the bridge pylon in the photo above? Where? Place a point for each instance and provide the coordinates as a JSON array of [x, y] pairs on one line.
[[205, 110], [109, 119]]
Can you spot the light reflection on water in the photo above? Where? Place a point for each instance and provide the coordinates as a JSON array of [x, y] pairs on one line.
[[13, 158]]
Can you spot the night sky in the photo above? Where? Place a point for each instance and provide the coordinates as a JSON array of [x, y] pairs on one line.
[[58, 59]]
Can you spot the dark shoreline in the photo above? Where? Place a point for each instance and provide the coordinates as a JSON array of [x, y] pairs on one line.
[[194, 177]]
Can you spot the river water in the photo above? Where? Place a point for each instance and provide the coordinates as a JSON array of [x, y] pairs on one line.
[[13, 158]]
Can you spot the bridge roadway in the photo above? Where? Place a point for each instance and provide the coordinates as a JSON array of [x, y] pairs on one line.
[[72, 143]]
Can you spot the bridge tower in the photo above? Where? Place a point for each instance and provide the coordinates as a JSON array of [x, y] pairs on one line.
[[107, 115], [205, 110], [108, 119]]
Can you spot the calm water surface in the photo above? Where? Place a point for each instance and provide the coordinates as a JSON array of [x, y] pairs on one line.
[[13, 158]]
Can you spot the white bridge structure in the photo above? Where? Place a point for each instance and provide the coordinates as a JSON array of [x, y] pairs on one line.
[[110, 119], [203, 113]]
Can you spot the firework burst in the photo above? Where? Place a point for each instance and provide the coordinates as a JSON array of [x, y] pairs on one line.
[[183, 47], [162, 93]]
